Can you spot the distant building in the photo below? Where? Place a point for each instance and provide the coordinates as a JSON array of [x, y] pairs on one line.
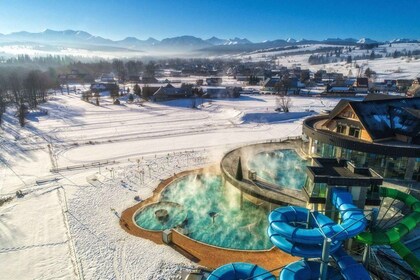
[[214, 81], [381, 132], [341, 91], [74, 77], [270, 84], [414, 89], [222, 92], [404, 84], [100, 87], [148, 80], [107, 78], [361, 85], [171, 93]]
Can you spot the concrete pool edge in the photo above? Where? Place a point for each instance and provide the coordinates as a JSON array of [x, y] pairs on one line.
[[262, 193], [177, 177], [197, 251]]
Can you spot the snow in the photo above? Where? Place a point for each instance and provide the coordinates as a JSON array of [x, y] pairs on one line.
[[66, 226], [29, 248], [386, 67]]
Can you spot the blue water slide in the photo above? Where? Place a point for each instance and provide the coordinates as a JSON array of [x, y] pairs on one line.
[[307, 270], [240, 271], [349, 268], [288, 231], [299, 249]]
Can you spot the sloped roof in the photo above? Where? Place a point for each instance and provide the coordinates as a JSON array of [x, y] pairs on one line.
[[381, 118], [338, 108], [378, 96], [406, 121], [172, 91]]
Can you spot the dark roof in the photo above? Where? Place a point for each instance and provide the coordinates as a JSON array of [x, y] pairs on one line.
[[169, 85], [362, 82], [271, 82], [172, 92], [406, 121], [377, 96], [338, 108], [342, 172], [381, 117]]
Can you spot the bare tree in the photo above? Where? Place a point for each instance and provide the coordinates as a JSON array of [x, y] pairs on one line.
[[283, 103], [3, 92]]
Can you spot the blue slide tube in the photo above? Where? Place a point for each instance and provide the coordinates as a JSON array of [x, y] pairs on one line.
[[307, 270], [288, 231], [239, 271], [349, 268]]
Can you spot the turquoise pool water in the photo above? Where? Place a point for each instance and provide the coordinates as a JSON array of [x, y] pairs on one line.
[[284, 168], [214, 214], [176, 215]]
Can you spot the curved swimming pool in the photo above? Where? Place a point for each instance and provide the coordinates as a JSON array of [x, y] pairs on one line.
[[214, 214]]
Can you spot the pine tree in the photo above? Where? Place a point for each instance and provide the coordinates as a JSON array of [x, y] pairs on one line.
[[239, 174]]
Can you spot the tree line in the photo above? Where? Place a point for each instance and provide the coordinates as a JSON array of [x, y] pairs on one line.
[[24, 90]]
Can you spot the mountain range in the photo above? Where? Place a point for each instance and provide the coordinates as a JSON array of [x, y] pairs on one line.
[[181, 44]]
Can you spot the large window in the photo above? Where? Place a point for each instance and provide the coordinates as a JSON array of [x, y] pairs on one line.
[[355, 132]]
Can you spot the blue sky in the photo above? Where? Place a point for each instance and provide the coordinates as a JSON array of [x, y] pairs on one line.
[[255, 20]]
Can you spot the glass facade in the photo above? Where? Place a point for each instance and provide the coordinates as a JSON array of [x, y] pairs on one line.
[[315, 190], [388, 167]]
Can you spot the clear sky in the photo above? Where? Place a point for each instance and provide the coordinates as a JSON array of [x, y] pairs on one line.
[[256, 20]]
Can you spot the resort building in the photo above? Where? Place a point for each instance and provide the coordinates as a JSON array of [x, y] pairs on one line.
[[382, 134], [327, 173]]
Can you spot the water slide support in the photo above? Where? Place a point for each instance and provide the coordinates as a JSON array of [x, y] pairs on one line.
[[325, 258]]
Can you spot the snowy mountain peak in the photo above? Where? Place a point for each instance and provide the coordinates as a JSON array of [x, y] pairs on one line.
[[216, 41], [366, 41], [291, 40], [403, 40], [238, 41]]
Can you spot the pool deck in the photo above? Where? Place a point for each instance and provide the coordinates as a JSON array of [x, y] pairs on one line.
[[203, 254]]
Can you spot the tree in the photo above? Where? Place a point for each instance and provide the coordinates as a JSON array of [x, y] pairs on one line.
[[239, 175], [369, 72], [283, 103], [349, 59], [150, 69], [114, 93], [36, 85], [372, 55], [147, 92], [15, 85], [119, 68], [283, 85], [2, 97], [131, 67], [304, 76], [137, 90]]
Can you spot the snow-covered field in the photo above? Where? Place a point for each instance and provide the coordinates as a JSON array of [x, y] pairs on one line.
[[66, 225], [386, 67]]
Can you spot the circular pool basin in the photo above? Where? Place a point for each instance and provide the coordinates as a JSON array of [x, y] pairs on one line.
[[161, 216]]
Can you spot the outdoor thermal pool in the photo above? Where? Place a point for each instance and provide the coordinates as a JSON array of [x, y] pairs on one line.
[[209, 212]]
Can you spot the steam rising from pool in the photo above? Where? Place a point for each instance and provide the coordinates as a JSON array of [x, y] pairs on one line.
[[214, 213], [281, 167]]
